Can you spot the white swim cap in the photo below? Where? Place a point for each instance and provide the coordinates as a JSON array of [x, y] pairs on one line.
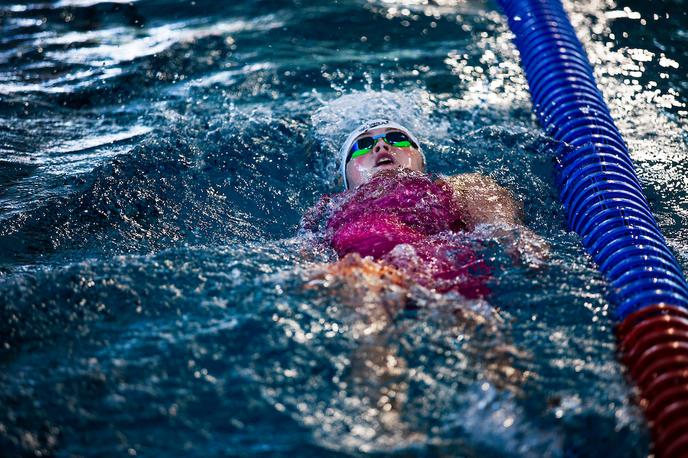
[[370, 125]]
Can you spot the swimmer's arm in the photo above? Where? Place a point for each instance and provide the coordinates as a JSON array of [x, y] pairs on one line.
[[485, 202]]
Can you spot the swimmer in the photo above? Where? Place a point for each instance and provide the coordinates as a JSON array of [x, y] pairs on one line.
[[396, 213], [396, 228]]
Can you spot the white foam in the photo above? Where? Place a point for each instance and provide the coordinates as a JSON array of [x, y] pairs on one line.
[[413, 109]]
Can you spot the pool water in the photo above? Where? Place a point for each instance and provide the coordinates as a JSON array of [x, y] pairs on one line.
[[156, 298]]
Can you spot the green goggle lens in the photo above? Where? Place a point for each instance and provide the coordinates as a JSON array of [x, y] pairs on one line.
[[360, 152]]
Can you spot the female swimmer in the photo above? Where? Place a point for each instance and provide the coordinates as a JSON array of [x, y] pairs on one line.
[[409, 221], [395, 228]]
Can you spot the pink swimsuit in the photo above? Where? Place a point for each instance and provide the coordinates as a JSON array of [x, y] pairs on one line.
[[420, 218]]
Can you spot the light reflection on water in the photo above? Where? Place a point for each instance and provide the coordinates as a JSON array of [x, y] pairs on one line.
[[156, 162]]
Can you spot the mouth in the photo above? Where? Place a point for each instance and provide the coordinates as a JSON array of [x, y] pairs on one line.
[[384, 159]]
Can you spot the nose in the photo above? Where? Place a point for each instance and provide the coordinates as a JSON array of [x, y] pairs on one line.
[[380, 145]]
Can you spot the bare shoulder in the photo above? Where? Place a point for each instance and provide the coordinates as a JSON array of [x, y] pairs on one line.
[[484, 200]]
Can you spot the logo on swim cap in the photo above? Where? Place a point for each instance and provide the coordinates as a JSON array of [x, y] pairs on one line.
[[374, 124]]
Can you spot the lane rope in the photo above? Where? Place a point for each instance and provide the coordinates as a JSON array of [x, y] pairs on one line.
[[604, 203]]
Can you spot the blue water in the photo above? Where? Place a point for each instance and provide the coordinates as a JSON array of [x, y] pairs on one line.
[[155, 160]]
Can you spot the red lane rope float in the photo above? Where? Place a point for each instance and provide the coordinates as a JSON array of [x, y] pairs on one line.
[[654, 345]]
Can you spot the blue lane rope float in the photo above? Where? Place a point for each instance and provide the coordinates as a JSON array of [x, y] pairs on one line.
[[605, 205]]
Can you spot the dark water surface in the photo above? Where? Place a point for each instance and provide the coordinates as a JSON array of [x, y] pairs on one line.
[[156, 157]]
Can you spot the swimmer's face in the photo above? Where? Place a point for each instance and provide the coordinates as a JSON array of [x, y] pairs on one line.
[[383, 156]]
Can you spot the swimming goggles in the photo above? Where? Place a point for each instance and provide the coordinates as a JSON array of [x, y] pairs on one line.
[[364, 145]]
